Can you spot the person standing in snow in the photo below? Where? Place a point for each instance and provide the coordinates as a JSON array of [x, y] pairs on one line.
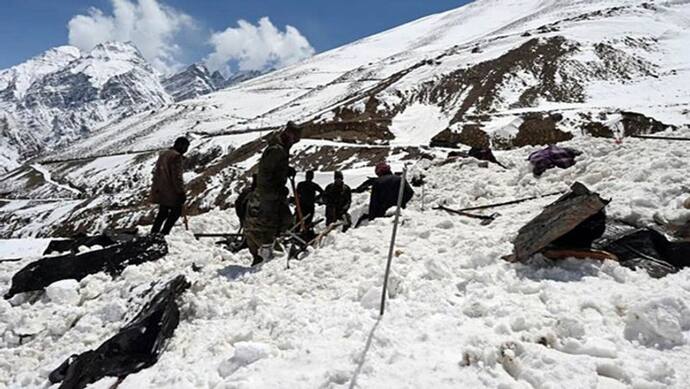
[[167, 189], [241, 201], [307, 194], [338, 198], [384, 192], [268, 213]]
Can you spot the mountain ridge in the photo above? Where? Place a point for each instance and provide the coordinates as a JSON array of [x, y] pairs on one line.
[[63, 95], [508, 76]]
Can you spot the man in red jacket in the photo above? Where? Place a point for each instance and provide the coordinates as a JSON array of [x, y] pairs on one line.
[[167, 188]]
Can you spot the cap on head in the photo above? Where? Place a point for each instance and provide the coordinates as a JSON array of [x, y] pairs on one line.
[[382, 169], [291, 134], [181, 144], [338, 175], [293, 127]]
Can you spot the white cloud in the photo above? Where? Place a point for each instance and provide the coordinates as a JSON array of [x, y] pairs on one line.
[[151, 26], [256, 47]]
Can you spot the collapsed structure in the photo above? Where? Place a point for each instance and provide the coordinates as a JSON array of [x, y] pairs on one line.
[[575, 225]]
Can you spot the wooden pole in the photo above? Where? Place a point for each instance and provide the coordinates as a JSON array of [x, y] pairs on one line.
[[392, 245], [509, 202], [675, 138], [298, 205]]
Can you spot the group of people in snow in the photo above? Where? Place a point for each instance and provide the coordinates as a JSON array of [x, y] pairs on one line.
[[263, 207]]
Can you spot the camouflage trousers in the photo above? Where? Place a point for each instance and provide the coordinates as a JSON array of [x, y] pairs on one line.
[[266, 219]]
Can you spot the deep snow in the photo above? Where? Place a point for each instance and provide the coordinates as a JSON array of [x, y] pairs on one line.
[[458, 316]]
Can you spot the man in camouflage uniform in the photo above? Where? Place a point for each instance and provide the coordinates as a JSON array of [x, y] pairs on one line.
[[268, 213]]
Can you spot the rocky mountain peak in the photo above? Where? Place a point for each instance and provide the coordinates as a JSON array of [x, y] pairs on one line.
[[192, 82], [62, 95], [16, 80]]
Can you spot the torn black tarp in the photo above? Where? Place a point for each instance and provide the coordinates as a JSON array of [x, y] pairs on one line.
[[136, 347], [112, 260], [647, 249], [577, 219], [104, 240]]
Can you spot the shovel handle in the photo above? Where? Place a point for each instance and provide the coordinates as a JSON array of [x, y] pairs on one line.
[[462, 213], [184, 218], [297, 204]]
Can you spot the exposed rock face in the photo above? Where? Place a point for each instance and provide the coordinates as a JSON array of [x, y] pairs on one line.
[[537, 129], [544, 69], [478, 88], [625, 124], [534, 129], [470, 135]]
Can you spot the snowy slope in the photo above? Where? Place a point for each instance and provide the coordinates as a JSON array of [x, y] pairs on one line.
[[458, 315], [474, 64], [500, 73]]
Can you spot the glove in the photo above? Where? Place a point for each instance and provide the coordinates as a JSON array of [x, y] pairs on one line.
[[291, 172], [686, 204]]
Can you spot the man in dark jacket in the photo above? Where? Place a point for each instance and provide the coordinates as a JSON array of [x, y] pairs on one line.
[[384, 192], [268, 213], [307, 193], [338, 198], [242, 199], [167, 188]]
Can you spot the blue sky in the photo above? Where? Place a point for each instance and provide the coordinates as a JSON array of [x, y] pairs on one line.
[[28, 27]]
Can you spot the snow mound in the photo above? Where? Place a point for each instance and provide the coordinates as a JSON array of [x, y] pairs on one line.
[[64, 292], [245, 354], [658, 323]]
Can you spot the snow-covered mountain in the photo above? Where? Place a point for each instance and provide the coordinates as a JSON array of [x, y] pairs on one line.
[[192, 82], [62, 95], [507, 73], [242, 76], [196, 80]]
